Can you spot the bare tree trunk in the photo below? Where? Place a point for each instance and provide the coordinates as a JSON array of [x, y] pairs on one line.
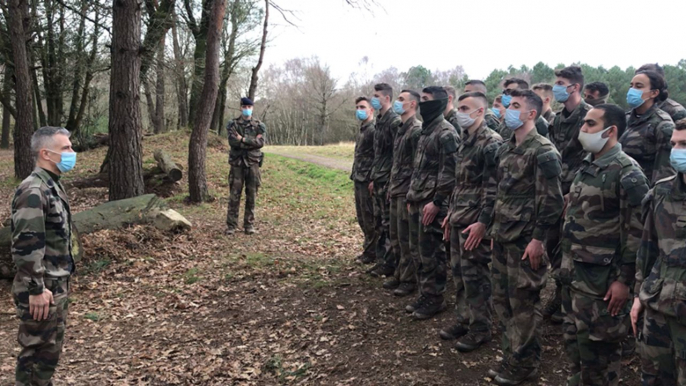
[[263, 44], [18, 24], [159, 90], [197, 148], [6, 89], [182, 85], [76, 87], [125, 153], [227, 71], [89, 73], [151, 104], [200, 32]]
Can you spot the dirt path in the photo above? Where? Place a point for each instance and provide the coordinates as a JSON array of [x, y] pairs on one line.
[[334, 163]]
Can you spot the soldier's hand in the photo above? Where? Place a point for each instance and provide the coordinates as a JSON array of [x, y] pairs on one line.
[[617, 295], [429, 213], [636, 310], [39, 305], [564, 208], [534, 251], [476, 234], [371, 188], [446, 228]]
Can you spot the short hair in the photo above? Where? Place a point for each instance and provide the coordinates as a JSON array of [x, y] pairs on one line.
[[498, 99], [413, 95], [680, 124], [613, 115], [476, 95], [521, 83], [651, 67], [362, 99], [598, 86], [657, 82], [451, 91], [533, 101], [437, 92], [480, 85], [385, 89], [572, 73], [43, 137], [545, 87]]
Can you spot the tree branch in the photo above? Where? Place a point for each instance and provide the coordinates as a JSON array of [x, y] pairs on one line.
[[78, 12]]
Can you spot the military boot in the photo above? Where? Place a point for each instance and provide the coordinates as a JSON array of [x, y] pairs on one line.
[[404, 289], [230, 231], [432, 306], [553, 309], [391, 283], [249, 230], [365, 259], [473, 340], [417, 303], [454, 332], [382, 270], [516, 375], [501, 368]]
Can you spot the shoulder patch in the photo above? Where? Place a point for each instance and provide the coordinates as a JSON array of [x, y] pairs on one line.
[[550, 164], [491, 152], [635, 185], [663, 115], [448, 140]]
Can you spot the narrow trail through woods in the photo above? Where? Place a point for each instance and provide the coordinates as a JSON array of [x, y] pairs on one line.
[[334, 163]]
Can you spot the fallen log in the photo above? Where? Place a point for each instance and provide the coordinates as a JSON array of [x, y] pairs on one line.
[[165, 163], [146, 209]]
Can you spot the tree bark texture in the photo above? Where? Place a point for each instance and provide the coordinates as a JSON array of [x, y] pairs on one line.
[[167, 165], [125, 153], [200, 32], [182, 85], [6, 89], [254, 78], [18, 25], [159, 90], [197, 179]]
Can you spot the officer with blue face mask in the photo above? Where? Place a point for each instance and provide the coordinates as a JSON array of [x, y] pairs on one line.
[[511, 85], [649, 128]]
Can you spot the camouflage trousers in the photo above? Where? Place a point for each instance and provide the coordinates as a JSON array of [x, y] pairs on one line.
[[41, 341], [238, 177], [593, 339], [431, 258], [517, 302], [472, 281], [364, 206], [399, 231], [382, 215], [663, 350], [554, 249]]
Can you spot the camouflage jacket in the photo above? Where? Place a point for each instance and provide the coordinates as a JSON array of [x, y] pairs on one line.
[[602, 225], [433, 174], [475, 185], [491, 120], [647, 140], [663, 249], [541, 127], [549, 116], [675, 110], [41, 232], [404, 149], [529, 198], [245, 152], [564, 134], [452, 118], [384, 135], [364, 153]]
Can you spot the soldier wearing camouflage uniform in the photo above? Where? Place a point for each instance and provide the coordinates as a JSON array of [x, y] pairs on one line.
[[384, 134], [471, 207], [450, 113], [545, 91], [362, 177], [42, 251], [432, 182], [511, 85], [675, 110], [475, 85], [661, 273], [649, 129], [404, 149], [246, 138], [602, 231], [528, 202], [564, 134], [596, 93]]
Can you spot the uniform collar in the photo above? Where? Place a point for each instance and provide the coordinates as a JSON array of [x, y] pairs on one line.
[[679, 188], [470, 141], [521, 148], [54, 184], [593, 166], [364, 126], [575, 115], [636, 120]]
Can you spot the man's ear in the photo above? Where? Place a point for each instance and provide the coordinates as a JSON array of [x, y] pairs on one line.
[[613, 129]]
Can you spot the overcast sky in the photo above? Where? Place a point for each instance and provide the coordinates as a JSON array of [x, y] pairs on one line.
[[480, 35]]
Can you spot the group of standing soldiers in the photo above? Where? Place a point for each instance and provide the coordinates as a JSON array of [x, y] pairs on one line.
[[592, 193]]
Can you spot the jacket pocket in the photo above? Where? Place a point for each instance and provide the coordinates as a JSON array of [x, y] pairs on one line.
[[592, 255]]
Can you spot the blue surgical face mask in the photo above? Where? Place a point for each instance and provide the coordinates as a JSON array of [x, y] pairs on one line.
[[246, 112], [506, 100], [398, 107], [560, 93], [512, 120], [67, 161], [376, 103], [496, 112], [361, 115], [678, 160], [633, 98]]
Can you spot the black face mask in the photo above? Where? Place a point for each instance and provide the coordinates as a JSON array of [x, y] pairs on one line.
[[430, 110], [595, 102]]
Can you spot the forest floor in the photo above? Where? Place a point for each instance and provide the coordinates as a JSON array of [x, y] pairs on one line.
[[288, 305]]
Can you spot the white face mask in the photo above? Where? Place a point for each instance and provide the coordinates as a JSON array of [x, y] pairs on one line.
[[593, 143], [465, 120]]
